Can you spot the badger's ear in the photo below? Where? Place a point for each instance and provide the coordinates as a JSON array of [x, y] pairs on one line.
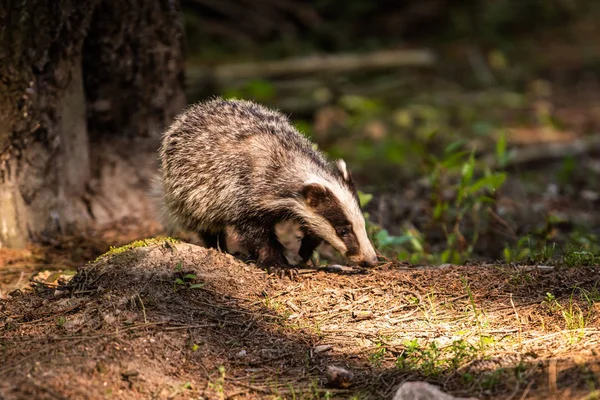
[[341, 165], [314, 194]]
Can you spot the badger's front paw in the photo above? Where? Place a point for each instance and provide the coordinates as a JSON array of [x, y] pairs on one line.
[[283, 272]]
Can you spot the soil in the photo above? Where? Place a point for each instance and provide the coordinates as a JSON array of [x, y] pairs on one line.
[[175, 320]]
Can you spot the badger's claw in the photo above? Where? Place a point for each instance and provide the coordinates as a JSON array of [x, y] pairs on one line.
[[283, 272]]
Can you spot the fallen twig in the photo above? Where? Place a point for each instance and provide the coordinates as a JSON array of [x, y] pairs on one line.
[[315, 64]]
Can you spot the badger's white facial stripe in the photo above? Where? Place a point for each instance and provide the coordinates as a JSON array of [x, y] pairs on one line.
[[341, 165], [351, 209]]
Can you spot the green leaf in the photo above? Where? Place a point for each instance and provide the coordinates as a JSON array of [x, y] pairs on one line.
[[485, 199], [415, 241], [491, 182], [446, 255], [197, 285], [364, 198], [383, 238], [440, 207], [454, 160], [501, 150], [179, 281], [452, 147], [398, 240], [189, 277], [468, 169], [403, 256]]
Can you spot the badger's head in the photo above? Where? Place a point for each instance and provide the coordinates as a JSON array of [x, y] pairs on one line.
[[332, 212]]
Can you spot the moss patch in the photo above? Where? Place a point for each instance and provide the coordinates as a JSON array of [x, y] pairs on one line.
[[135, 244]]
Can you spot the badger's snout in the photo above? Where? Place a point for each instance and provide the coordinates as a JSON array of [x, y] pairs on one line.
[[365, 262], [369, 263]]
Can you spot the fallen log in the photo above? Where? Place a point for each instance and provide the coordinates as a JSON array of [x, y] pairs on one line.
[[315, 64]]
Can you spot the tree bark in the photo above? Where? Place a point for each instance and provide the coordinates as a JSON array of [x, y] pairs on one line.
[[86, 88]]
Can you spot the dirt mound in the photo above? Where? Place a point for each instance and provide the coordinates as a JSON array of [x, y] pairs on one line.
[[158, 319]]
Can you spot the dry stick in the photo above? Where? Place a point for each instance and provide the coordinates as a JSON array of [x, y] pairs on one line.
[[143, 308], [582, 330], [512, 303], [552, 378], [548, 151], [515, 391], [236, 394], [318, 63], [502, 222], [526, 392]]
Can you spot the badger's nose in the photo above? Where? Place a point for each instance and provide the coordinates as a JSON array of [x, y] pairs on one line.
[[370, 263]]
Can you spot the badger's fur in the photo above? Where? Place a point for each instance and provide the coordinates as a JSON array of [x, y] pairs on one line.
[[236, 164]]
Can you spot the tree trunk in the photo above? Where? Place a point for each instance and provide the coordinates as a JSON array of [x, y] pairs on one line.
[[86, 88]]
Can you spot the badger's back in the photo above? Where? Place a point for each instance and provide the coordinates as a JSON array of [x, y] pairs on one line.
[[225, 161]]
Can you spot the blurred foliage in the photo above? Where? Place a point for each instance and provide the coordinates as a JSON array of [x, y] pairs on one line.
[[459, 192]]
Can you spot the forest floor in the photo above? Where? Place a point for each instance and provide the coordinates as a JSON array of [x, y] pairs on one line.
[[172, 320]]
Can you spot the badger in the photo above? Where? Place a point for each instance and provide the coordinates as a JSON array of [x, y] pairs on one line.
[[237, 165]]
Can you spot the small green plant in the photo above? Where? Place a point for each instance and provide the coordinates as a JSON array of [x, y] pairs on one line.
[[591, 297], [60, 322], [580, 258], [575, 321], [574, 317], [550, 298], [455, 174], [519, 252], [492, 379], [186, 280], [461, 196], [432, 360], [219, 384], [376, 358], [478, 315]]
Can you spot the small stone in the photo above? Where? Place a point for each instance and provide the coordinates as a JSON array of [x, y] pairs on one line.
[[423, 391], [339, 377], [590, 195], [321, 348]]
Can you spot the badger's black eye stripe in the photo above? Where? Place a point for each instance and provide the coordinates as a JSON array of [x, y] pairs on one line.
[[343, 231]]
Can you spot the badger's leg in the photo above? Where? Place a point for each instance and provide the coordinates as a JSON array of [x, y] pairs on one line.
[[214, 240], [310, 242], [264, 248]]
